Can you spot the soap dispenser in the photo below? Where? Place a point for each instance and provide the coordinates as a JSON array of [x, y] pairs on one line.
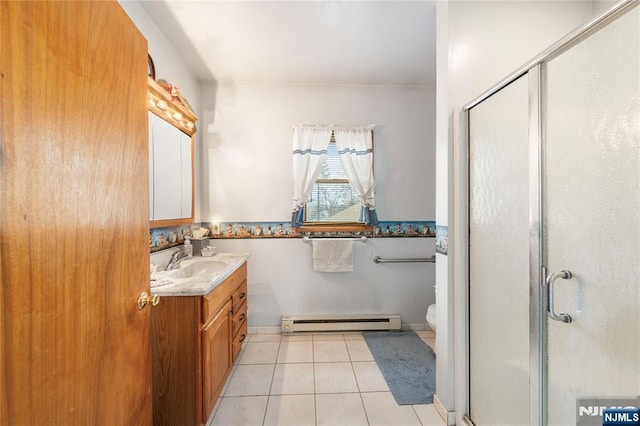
[[188, 248]]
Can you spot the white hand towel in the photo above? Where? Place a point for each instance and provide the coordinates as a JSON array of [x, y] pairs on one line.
[[332, 255]]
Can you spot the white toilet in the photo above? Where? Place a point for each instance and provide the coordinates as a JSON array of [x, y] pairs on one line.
[[431, 317]]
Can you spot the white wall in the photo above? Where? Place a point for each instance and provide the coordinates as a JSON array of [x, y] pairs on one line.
[[169, 63], [280, 280], [170, 66], [601, 5], [485, 41], [249, 147], [490, 39], [248, 175]]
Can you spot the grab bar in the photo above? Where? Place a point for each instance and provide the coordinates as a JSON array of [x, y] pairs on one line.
[[308, 240], [378, 259]]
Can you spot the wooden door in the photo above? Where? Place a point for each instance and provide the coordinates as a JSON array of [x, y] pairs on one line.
[[74, 251]]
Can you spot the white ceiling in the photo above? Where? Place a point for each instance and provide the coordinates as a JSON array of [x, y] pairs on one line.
[[303, 42]]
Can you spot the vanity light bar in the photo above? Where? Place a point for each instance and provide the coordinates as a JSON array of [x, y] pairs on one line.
[[160, 103]]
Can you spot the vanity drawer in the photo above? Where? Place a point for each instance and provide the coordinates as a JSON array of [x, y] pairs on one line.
[[238, 276], [239, 319], [212, 302], [237, 341], [239, 297]]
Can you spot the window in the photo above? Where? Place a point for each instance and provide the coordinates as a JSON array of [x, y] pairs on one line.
[[332, 199], [333, 184]]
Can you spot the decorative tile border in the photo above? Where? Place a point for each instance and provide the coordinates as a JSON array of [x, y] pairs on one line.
[[442, 239], [162, 238], [405, 229], [284, 230], [235, 230]]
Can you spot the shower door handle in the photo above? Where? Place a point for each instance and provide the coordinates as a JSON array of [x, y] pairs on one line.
[[551, 278]]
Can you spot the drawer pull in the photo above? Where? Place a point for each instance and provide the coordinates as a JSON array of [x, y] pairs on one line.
[[243, 295], [242, 317], [242, 339]]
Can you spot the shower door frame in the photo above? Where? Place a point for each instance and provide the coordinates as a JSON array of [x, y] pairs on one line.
[[460, 246], [535, 249]]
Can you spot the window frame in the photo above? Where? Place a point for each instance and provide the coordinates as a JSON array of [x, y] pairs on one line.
[[311, 226]]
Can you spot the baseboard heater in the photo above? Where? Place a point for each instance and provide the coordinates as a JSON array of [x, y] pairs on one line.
[[296, 323]]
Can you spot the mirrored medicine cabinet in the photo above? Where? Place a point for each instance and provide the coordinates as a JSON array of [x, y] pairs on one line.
[[171, 142]]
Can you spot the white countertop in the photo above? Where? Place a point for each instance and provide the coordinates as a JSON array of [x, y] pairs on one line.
[[199, 286]]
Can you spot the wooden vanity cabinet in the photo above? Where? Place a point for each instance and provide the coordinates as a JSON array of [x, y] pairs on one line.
[[195, 341]]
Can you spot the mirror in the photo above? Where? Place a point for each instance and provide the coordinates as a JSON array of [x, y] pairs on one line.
[[171, 130]]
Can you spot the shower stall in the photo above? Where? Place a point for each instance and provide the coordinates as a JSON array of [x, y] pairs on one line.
[[553, 284]]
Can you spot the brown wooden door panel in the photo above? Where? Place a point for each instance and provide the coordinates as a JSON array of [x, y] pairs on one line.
[[216, 357], [73, 216]]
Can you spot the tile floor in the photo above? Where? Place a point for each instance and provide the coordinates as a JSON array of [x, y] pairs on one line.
[[316, 379]]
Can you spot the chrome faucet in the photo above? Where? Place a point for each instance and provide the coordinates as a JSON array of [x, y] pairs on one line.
[[176, 258]]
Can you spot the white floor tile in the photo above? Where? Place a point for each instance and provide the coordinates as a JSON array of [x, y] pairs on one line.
[[269, 329], [209, 421], [259, 353], [335, 377], [293, 379], [426, 333], [382, 409], [359, 350], [313, 379], [428, 415], [295, 352], [369, 377], [241, 411], [226, 385], [355, 336], [297, 337], [290, 410], [343, 409], [250, 380], [328, 336], [264, 338], [330, 351]]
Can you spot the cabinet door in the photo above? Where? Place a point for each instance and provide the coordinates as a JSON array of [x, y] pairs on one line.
[[151, 198], [186, 175], [167, 173], [216, 357]]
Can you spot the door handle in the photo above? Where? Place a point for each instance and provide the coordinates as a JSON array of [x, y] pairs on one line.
[[144, 299], [551, 278]]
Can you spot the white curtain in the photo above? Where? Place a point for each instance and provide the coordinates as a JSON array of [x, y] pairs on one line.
[[355, 149], [310, 145]]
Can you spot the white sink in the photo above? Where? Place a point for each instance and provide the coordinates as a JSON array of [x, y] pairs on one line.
[[197, 268], [196, 276]]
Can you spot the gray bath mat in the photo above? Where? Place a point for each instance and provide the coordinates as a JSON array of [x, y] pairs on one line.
[[407, 364]]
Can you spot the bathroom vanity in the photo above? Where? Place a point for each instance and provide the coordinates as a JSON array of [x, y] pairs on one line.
[[197, 333]]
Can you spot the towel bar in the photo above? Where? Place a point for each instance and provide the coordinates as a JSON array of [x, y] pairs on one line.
[[308, 240], [378, 259]]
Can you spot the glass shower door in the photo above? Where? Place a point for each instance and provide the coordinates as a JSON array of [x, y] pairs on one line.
[[591, 217], [499, 258]]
